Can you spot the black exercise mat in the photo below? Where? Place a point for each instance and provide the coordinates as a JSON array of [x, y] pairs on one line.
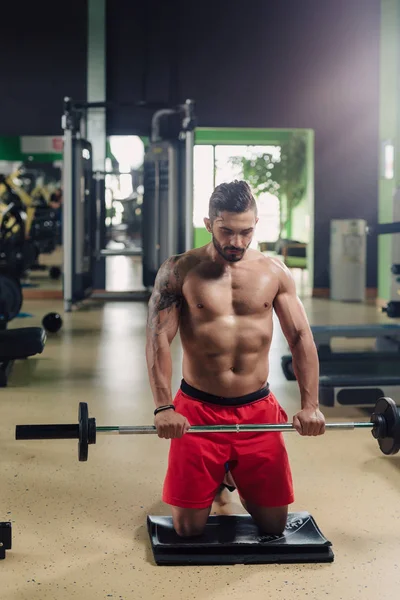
[[235, 539]]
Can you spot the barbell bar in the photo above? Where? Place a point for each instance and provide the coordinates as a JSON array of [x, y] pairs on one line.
[[148, 429], [384, 426]]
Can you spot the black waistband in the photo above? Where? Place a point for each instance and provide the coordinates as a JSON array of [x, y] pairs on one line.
[[221, 400]]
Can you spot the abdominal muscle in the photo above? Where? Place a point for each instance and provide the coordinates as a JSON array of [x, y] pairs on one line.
[[227, 356]]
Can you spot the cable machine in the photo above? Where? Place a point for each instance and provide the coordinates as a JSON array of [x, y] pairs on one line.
[[167, 224]]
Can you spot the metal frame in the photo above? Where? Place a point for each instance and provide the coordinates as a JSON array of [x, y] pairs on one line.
[[68, 184], [171, 207], [189, 126], [189, 155], [75, 260]]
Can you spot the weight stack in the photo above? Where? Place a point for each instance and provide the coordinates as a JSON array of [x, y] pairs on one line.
[[163, 214]]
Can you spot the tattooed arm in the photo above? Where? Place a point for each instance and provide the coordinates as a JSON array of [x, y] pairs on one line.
[[162, 326]]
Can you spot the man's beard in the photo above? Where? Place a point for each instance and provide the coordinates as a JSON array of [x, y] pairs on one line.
[[225, 254]]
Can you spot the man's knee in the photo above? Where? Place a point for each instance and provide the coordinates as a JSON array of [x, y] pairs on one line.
[[185, 527], [189, 522], [273, 527], [272, 521]]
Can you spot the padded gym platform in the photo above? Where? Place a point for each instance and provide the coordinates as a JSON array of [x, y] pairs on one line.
[[235, 539]]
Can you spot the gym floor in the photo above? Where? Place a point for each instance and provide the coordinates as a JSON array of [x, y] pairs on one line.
[[79, 529]]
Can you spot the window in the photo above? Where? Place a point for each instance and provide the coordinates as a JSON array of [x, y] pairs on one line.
[[203, 179], [213, 165]]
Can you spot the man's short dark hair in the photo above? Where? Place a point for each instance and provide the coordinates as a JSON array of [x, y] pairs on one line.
[[232, 197]]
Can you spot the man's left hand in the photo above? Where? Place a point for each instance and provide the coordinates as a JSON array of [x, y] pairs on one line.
[[309, 421]]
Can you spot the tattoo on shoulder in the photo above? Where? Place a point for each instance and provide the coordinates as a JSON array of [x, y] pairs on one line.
[[166, 294], [168, 284]]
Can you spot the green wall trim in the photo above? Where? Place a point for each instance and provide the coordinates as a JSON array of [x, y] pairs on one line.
[[238, 136], [310, 204], [43, 158], [10, 148]]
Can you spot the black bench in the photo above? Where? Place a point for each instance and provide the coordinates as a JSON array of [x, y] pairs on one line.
[[385, 363], [386, 335], [5, 538], [18, 344], [354, 378]]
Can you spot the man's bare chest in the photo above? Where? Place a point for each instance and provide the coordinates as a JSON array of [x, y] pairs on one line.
[[241, 293]]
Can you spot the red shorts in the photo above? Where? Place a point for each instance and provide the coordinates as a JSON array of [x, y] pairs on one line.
[[258, 461]]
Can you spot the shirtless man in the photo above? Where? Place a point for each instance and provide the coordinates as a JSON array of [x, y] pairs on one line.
[[221, 298]]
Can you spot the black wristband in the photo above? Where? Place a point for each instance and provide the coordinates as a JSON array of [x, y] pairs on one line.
[[166, 407]]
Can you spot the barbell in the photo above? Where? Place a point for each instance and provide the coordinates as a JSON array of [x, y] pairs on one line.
[[384, 426]]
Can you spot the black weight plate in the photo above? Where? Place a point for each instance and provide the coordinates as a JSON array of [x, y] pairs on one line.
[[390, 444], [83, 419], [10, 297], [55, 272], [29, 254]]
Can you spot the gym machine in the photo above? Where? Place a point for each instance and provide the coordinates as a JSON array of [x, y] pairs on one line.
[[354, 378], [17, 253], [168, 189], [29, 227], [167, 223], [79, 215], [360, 378]]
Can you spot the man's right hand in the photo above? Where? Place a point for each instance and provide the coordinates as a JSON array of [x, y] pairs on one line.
[[171, 424]]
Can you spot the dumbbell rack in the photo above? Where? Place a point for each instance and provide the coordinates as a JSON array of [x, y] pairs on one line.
[[5, 538]]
